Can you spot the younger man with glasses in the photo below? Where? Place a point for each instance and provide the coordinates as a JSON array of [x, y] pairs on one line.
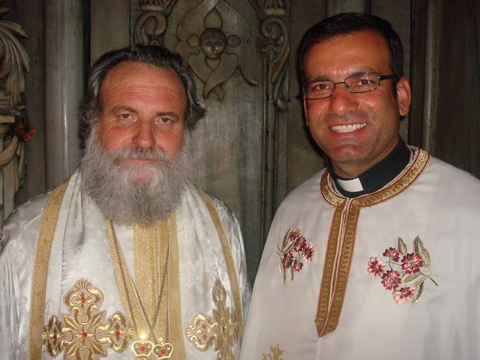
[[377, 253]]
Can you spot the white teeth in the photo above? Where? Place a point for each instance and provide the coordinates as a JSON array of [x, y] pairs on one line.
[[347, 128]]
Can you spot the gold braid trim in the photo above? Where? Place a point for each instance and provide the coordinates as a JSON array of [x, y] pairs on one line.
[[174, 296], [341, 241], [132, 308], [227, 253], [412, 171], [324, 303], [40, 270]]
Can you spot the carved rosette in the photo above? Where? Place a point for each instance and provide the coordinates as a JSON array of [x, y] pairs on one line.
[[214, 42], [152, 22]]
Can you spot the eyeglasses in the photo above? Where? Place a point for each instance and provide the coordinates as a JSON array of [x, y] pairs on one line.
[[355, 84]]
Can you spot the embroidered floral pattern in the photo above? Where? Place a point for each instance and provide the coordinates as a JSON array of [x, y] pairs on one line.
[[412, 268], [376, 267], [294, 248], [220, 330], [275, 354], [86, 334]]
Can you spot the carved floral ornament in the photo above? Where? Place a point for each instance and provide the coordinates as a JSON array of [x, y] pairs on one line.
[[152, 23], [15, 128], [214, 43]]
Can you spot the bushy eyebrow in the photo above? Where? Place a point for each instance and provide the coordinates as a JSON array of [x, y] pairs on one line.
[[167, 113], [123, 108]]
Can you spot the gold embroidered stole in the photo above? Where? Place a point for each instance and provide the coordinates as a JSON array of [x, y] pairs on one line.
[[40, 270], [227, 253], [150, 253], [341, 241], [42, 258], [151, 249]]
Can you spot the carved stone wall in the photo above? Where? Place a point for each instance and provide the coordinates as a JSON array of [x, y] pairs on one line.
[[239, 52], [15, 128]]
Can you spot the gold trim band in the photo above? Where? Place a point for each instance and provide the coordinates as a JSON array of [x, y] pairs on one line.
[[40, 270], [341, 241], [232, 274]]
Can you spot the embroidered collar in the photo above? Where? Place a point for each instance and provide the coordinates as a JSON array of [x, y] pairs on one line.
[[341, 242], [377, 176]]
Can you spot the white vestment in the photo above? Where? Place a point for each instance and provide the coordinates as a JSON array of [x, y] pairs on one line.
[[81, 251], [334, 294]]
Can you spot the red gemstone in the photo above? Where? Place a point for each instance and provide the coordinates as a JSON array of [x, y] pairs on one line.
[[163, 351], [142, 348], [118, 333], [82, 299], [55, 337], [84, 334]]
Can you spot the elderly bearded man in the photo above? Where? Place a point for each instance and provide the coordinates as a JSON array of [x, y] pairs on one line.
[[378, 253], [126, 258]]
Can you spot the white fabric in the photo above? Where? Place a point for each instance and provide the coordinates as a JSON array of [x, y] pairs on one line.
[[351, 185], [442, 207], [81, 251]]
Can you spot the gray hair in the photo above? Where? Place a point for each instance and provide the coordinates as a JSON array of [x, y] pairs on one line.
[[157, 56]]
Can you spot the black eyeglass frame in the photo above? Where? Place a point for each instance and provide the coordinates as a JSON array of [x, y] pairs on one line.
[[380, 78]]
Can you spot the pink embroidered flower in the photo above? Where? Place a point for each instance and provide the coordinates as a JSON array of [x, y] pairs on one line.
[[391, 279], [308, 252], [300, 244], [403, 295], [412, 263], [287, 260], [376, 267], [295, 233], [297, 266], [392, 253], [292, 252], [413, 269]]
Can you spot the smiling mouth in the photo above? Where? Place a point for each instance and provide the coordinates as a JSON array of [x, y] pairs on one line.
[[348, 128]]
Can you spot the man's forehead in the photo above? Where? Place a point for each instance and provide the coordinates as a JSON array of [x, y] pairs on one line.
[[348, 54], [138, 77]]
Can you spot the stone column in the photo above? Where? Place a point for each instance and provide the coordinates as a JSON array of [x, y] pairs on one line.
[[64, 86]]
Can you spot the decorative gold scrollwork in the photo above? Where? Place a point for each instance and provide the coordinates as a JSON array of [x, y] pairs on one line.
[[85, 334], [220, 330]]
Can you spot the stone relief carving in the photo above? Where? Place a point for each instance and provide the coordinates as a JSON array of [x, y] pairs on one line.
[[214, 43], [15, 128], [152, 23], [276, 51], [274, 4]]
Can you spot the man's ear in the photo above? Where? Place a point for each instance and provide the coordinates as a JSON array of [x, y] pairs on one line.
[[404, 96]]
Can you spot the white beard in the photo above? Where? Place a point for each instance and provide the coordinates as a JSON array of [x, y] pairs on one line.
[[129, 194]]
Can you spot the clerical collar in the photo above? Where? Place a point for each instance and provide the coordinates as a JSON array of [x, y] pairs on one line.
[[377, 176]]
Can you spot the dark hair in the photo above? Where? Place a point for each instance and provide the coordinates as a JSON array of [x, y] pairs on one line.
[[347, 23], [157, 56]]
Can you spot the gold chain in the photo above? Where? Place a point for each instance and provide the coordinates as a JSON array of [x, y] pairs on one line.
[[163, 350]]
